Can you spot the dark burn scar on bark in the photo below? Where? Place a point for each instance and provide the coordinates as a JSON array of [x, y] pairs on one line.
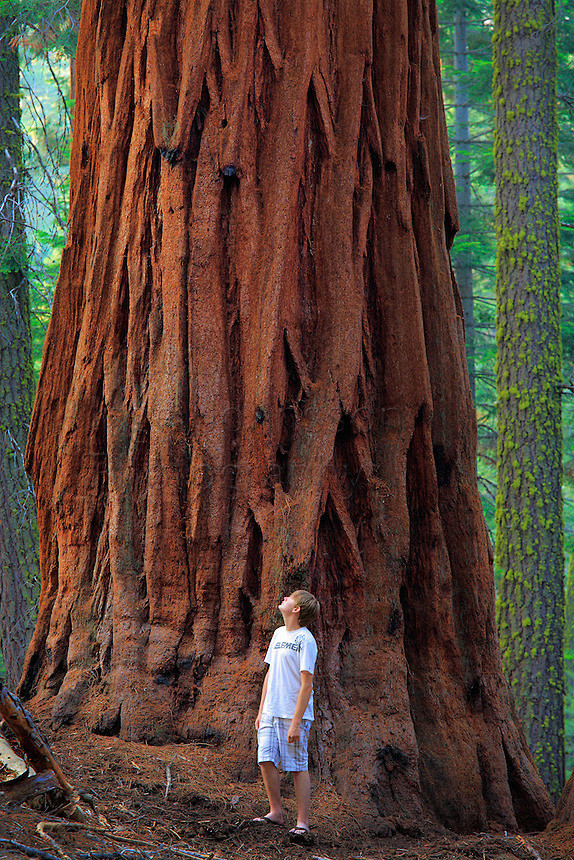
[[443, 467], [394, 621], [108, 723], [229, 172], [172, 156], [474, 695], [392, 757]]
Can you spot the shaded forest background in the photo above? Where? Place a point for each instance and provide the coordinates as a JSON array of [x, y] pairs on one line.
[[46, 72]]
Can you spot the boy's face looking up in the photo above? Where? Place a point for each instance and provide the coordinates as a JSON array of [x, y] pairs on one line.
[[289, 606], [299, 609]]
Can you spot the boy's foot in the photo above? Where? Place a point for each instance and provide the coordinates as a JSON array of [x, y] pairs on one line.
[[301, 836], [266, 819]]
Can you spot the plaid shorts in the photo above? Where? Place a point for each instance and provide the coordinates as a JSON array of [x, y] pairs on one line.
[[272, 744]]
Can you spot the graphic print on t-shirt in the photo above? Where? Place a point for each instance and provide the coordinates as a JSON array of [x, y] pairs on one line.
[[294, 646]]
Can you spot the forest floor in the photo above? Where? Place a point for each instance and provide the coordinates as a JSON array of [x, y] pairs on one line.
[[179, 801]]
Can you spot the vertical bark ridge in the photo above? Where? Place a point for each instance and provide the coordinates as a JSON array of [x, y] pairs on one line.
[[59, 356], [213, 411], [110, 312], [166, 563]]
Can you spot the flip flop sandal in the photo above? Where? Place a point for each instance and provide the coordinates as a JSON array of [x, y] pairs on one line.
[[301, 836], [264, 820]]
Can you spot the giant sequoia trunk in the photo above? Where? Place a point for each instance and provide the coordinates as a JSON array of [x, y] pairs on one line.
[[255, 379]]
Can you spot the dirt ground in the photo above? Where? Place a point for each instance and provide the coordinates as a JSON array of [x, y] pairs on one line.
[[178, 801]]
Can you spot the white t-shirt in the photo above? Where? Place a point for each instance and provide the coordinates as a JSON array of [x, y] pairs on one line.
[[289, 654]]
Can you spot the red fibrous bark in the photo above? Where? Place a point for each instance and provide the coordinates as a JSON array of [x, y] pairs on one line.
[[254, 379]]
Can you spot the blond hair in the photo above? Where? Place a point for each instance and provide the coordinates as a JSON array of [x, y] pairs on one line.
[[308, 606]]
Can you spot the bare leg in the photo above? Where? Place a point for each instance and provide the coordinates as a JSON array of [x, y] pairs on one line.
[[303, 797], [272, 784]]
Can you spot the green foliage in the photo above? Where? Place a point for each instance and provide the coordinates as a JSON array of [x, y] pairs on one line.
[[480, 238], [46, 135], [44, 36], [44, 26]]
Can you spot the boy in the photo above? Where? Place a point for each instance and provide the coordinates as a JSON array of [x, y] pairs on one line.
[[286, 709]]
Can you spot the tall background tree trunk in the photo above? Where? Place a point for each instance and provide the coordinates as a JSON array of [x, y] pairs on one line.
[[463, 259], [255, 379], [529, 535], [19, 562]]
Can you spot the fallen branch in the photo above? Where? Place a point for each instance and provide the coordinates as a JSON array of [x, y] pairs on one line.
[[51, 825], [530, 848], [167, 780], [36, 749], [107, 833], [28, 850], [21, 789]]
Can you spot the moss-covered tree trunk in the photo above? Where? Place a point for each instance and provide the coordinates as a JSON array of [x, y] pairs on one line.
[[529, 540], [19, 563], [255, 378]]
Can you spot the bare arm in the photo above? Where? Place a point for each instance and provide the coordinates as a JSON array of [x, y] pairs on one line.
[[263, 694], [294, 732]]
